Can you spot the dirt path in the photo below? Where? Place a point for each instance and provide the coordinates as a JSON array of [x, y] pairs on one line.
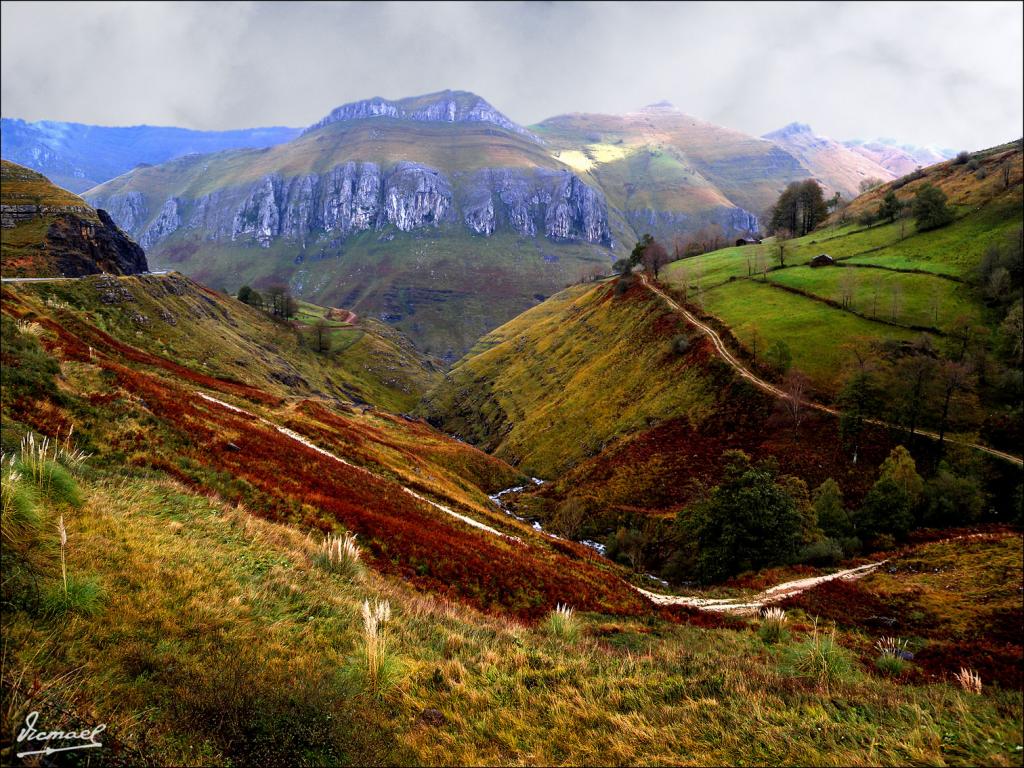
[[771, 595], [771, 389], [309, 444]]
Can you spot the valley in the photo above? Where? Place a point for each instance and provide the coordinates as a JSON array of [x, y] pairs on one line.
[[420, 436]]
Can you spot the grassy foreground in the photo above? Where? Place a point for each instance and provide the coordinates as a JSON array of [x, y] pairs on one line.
[[221, 638]]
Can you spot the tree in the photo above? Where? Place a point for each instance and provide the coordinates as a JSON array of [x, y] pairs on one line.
[[795, 386], [622, 267], [747, 522], [570, 516], [833, 519], [781, 236], [636, 257], [890, 207], [800, 208], [866, 185], [245, 294], [886, 510], [899, 466], [930, 209], [859, 401], [951, 498], [654, 257], [954, 377], [322, 336], [847, 287], [779, 356]]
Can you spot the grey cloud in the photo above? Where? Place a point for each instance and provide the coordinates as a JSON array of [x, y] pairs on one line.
[[943, 73]]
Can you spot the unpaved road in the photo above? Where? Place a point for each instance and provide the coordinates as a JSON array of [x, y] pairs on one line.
[[771, 595], [771, 389]]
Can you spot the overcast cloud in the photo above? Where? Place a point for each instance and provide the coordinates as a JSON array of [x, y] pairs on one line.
[[924, 73]]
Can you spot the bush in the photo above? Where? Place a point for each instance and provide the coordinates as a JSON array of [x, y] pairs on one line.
[[962, 157], [19, 520], [974, 164], [981, 174], [680, 344], [930, 209], [823, 552]]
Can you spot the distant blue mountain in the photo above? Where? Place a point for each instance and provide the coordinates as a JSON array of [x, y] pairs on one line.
[[78, 157]]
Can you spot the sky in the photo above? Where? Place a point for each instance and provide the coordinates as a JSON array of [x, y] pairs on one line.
[[946, 75]]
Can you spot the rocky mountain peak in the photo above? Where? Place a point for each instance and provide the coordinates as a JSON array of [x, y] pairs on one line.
[[788, 131], [441, 107]]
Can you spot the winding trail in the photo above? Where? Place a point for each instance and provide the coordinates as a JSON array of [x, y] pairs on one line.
[[771, 389], [771, 595], [309, 444]]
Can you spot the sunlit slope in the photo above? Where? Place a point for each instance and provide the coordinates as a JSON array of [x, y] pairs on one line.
[[892, 281], [181, 321]]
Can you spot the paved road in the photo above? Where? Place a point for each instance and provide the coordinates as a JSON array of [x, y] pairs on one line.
[[760, 383]]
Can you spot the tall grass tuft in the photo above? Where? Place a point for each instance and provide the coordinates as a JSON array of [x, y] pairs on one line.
[[30, 328], [563, 624], [379, 666], [79, 595], [46, 463], [341, 554], [890, 659], [773, 626], [19, 517], [821, 660], [969, 680]]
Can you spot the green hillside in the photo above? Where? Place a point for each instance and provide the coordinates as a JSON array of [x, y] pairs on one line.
[[896, 282]]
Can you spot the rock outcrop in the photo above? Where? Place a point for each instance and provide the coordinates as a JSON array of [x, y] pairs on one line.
[[441, 107], [355, 197], [76, 247]]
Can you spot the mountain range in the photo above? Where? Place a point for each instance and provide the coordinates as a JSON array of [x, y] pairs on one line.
[[438, 213]]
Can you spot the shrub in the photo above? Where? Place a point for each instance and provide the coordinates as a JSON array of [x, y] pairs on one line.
[[962, 157], [974, 164], [981, 174], [773, 626], [680, 344], [562, 623], [340, 554], [825, 551], [930, 208]]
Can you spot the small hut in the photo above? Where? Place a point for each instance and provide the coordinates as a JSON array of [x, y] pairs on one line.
[[749, 241], [822, 260]]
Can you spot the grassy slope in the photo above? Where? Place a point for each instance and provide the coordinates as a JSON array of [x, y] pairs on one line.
[[527, 391], [817, 332], [138, 409], [586, 391], [682, 163], [220, 640], [175, 318], [442, 288]]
